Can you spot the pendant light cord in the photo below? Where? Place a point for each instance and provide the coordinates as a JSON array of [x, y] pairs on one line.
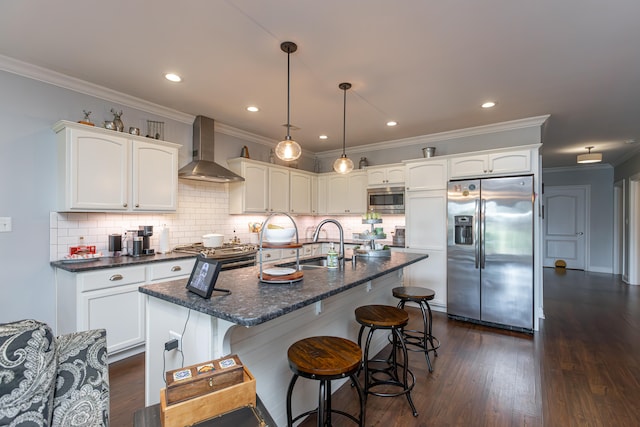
[[288, 92], [344, 123]]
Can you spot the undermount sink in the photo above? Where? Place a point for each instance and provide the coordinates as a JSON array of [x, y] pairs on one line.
[[308, 263]]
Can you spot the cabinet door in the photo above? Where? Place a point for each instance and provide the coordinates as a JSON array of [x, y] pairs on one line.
[[426, 220], [253, 192], [337, 194], [468, 166], [155, 177], [300, 193], [376, 176], [395, 175], [357, 193], [119, 310], [426, 175], [278, 190], [511, 162], [98, 171], [321, 195], [429, 273]]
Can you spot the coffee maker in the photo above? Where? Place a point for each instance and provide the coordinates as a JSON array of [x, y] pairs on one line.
[[145, 231]]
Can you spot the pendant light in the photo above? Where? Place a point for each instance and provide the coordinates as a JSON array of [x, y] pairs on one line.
[[590, 157], [287, 149], [344, 164]]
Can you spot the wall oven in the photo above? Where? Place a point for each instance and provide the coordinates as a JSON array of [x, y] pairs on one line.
[[388, 200]]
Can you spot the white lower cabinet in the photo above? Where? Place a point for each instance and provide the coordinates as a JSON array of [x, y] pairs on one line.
[[109, 299], [429, 273], [426, 232], [119, 310]]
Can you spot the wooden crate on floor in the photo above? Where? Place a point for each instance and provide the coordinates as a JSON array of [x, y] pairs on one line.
[[209, 405]]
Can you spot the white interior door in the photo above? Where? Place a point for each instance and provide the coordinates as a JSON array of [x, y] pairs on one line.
[[565, 225]]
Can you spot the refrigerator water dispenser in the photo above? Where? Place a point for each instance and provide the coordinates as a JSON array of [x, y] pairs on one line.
[[463, 229]]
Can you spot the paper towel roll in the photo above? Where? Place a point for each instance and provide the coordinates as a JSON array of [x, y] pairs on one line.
[[164, 240]]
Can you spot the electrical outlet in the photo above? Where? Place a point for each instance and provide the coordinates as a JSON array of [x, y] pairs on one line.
[[176, 336], [5, 224]]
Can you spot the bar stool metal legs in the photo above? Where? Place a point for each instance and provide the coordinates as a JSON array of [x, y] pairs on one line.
[[324, 359], [383, 373], [416, 340]]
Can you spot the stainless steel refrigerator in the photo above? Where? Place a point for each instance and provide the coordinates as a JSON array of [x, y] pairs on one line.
[[490, 251]]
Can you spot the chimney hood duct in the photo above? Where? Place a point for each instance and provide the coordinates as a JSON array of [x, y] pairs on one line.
[[203, 168]]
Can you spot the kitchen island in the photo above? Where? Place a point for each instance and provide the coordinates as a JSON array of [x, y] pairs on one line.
[[259, 321]]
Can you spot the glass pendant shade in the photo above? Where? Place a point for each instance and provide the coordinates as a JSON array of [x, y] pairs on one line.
[[288, 150], [343, 164]]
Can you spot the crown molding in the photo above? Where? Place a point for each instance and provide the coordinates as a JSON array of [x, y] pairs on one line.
[[61, 80], [577, 168], [537, 121]]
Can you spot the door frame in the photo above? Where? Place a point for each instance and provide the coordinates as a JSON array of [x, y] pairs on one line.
[[619, 230], [587, 219]]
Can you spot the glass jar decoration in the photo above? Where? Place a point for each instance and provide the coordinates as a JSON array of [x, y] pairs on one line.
[[117, 121], [363, 163]]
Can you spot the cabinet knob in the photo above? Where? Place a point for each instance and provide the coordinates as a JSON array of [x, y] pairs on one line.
[[116, 277], [137, 205], [267, 255], [124, 205], [176, 268]]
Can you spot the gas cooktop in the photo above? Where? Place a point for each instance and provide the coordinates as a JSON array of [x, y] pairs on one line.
[[227, 250]]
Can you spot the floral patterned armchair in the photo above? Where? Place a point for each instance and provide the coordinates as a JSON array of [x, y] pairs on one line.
[[48, 381]]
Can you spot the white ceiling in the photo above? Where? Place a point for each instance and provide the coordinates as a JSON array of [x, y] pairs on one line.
[[427, 64]]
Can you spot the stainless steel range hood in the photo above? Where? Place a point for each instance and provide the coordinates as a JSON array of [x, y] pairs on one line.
[[203, 167]]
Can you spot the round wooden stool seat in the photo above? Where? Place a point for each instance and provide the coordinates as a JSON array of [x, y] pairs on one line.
[[324, 357], [414, 293], [416, 340], [386, 377], [381, 316]]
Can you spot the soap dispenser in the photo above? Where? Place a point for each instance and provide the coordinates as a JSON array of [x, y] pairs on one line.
[[332, 257]]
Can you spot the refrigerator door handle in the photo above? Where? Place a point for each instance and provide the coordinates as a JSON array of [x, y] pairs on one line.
[[476, 228], [483, 219]]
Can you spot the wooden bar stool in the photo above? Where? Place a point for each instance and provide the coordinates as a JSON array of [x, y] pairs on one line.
[[423, 340], [385, 378], [325, 358]]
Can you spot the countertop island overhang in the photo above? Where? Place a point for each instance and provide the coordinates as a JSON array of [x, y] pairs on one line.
[[251, 302], [259, 321]]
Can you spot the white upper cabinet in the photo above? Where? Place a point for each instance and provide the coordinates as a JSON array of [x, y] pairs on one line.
[[102, 170], [386, 176], [497, 163], [426, 174], [278, 189], [265, 188], [300, 192], [347, 194]]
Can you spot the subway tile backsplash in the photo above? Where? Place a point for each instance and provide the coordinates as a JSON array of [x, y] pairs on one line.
[[203, 208]]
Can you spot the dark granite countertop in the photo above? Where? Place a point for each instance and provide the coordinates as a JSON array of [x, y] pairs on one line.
[[252, 302], [128, 261], [119, 261]]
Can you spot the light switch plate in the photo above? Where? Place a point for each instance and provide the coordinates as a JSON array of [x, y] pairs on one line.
[[5, 224]]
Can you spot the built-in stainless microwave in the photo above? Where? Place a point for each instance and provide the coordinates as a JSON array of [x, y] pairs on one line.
[[388, 200]]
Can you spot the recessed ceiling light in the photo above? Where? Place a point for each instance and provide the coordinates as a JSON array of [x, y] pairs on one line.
[[392, 123], [253, 109], [323, 137], [173, 77], [488, 104]]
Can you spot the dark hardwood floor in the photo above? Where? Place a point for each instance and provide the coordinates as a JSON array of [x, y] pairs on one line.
[[581, 369]]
